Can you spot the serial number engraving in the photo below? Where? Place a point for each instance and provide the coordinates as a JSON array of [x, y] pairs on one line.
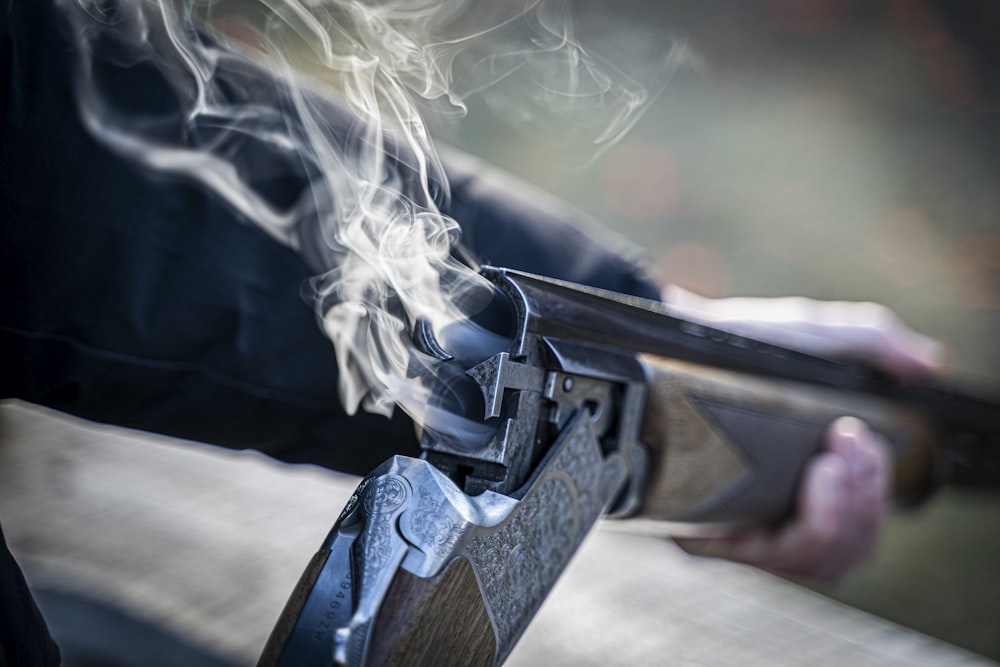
[[342, 597]]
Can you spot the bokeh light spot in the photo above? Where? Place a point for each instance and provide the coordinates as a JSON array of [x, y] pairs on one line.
[[953, 78], [977, 271], [640, 181], [696, 267], [906, 249], [917, 24], [809, 17]]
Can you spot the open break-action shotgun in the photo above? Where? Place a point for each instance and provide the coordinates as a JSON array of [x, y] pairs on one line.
[[603, 404]]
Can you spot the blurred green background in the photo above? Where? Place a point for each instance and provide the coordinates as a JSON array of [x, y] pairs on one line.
[[828, 148]]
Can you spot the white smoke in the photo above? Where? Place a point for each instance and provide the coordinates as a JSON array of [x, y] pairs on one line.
[[370, 219]]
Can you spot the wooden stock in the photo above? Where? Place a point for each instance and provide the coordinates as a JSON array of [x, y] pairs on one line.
[[271, 655], [433, 622], [728, 448]]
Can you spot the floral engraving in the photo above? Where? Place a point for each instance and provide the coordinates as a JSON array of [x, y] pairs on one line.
[[519, 562], [432, 525], [383, 496]]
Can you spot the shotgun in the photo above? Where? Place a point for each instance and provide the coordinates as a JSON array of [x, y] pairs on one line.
[[602, 404]]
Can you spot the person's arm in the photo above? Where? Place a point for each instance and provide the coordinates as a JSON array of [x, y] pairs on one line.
[[140, 299]]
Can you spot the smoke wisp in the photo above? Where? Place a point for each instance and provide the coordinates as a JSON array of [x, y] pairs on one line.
[[243, 107]]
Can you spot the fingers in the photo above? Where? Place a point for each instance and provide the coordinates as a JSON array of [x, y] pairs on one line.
[[807, 544], [873, 332], [862, 502], [842, 505]]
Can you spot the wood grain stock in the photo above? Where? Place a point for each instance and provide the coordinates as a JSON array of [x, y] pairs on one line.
[[433, 622], [271, 655], [728, 448]]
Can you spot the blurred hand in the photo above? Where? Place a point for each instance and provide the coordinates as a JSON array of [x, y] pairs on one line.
[[841, 507], [843, 329], [844, 495]]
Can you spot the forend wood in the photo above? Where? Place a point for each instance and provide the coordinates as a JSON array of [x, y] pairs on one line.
[[729, 448]]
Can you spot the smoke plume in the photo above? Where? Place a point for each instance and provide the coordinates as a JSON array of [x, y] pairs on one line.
[[245, 103]]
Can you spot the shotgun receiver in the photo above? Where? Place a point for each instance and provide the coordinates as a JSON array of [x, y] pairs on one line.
[[601, 404]]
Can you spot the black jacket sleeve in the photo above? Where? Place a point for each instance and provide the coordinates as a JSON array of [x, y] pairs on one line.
[[139, 299]]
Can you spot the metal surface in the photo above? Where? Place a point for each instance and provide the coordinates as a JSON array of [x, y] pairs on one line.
[[557, 309], [534, 389], [410, 515], [574, 346], [609, 327]]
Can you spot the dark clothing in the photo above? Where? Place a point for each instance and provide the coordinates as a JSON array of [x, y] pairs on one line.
[[24, 640], [139, 299]]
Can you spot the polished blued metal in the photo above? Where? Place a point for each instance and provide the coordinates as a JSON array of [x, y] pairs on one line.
[[409, 515]]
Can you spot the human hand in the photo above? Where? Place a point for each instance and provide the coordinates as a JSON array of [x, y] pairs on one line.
[[843, 498], [842, 503]]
